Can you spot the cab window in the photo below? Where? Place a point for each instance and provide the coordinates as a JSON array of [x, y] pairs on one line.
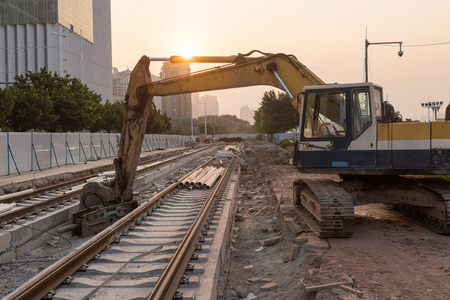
[[361, 112], [377, 100], [325, 115]]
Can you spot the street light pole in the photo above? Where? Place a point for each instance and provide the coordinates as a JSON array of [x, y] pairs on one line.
[[206, 133], [400, 53], [82, 54]]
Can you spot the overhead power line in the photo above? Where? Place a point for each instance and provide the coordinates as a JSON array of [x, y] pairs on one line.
[[419, 45]]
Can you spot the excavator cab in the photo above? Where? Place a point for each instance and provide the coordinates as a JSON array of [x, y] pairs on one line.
[[338, 127]]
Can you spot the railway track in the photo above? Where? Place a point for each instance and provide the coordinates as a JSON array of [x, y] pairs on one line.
[[148, 253], [32, 202]]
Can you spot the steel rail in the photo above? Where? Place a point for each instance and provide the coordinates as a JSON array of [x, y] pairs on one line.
[[35, 208], [46, 189], [24, 212], [39, 286], [169, 281]]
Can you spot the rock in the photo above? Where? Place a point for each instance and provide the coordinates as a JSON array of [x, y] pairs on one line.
[[272, 241], [293, 252], [315, 243], [254, 279], [259, 249], [301, 239], [247, 195], [265, 209], [239, 217], [250, 296], [239, 293], [249, 267], [269, 287]]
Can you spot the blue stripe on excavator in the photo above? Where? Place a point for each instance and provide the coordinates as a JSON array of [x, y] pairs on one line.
[[375, 159]]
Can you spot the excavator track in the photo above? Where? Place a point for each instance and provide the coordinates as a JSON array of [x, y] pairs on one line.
[[324, 205], [441, 188]]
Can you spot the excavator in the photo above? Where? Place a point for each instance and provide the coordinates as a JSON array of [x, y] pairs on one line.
[[344, 129]]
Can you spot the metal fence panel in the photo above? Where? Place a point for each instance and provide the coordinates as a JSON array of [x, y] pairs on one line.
[[19, 143], [58, 149], [85, 146], [3, 153], [72, 148], [41, 143]]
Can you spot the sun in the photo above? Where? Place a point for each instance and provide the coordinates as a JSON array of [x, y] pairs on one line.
[[188, 48]]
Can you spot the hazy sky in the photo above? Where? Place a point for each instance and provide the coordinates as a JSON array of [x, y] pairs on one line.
[[325, 35]]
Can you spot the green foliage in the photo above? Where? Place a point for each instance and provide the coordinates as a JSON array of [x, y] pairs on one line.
[[224, 124], [275, 114], [45, 101], [158, 123], [111, 116], [6, 107], [32, 108], [285, 143]]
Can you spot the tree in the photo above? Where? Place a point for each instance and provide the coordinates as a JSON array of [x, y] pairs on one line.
[[32, 108], [111, 117], [6, 108], [46, 101], [157, 122], [77, 107], [275, 113]]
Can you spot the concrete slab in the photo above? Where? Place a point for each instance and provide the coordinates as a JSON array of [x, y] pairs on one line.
[[26, 235]]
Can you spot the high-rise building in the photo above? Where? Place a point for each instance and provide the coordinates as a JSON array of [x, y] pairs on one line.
[[197, 107], [247, 114], [205, 104], [176, 106], [121, 80], [212, 105], [120, 84], [65, 36]]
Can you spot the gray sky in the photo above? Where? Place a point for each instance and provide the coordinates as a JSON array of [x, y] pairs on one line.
[[325, 35]]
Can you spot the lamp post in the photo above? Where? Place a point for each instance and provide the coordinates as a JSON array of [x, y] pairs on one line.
[[435, 106], [400, 53]]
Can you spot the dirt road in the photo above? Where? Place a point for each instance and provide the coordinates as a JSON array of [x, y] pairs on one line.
[[388, 256]]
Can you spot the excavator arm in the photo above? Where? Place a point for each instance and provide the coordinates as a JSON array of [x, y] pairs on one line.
[[279, 70]]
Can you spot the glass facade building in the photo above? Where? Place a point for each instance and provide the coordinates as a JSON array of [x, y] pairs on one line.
[[66, 36]]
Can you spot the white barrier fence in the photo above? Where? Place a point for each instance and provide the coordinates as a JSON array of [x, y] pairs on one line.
[[29, 151]]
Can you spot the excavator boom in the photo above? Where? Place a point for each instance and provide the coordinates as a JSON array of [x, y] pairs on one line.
[[279, 70]]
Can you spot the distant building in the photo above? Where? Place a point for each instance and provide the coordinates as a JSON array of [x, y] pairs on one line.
[[247, 114], [120, 84], [176, 106], [198, 105], [121, 80], [65, 36]]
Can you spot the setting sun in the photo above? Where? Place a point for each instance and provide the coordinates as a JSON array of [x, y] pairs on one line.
[[187, 48]]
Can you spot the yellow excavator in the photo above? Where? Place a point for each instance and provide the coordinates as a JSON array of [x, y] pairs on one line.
[[344, 129]]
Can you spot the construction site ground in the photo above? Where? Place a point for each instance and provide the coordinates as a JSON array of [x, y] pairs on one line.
[[274, 256]]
